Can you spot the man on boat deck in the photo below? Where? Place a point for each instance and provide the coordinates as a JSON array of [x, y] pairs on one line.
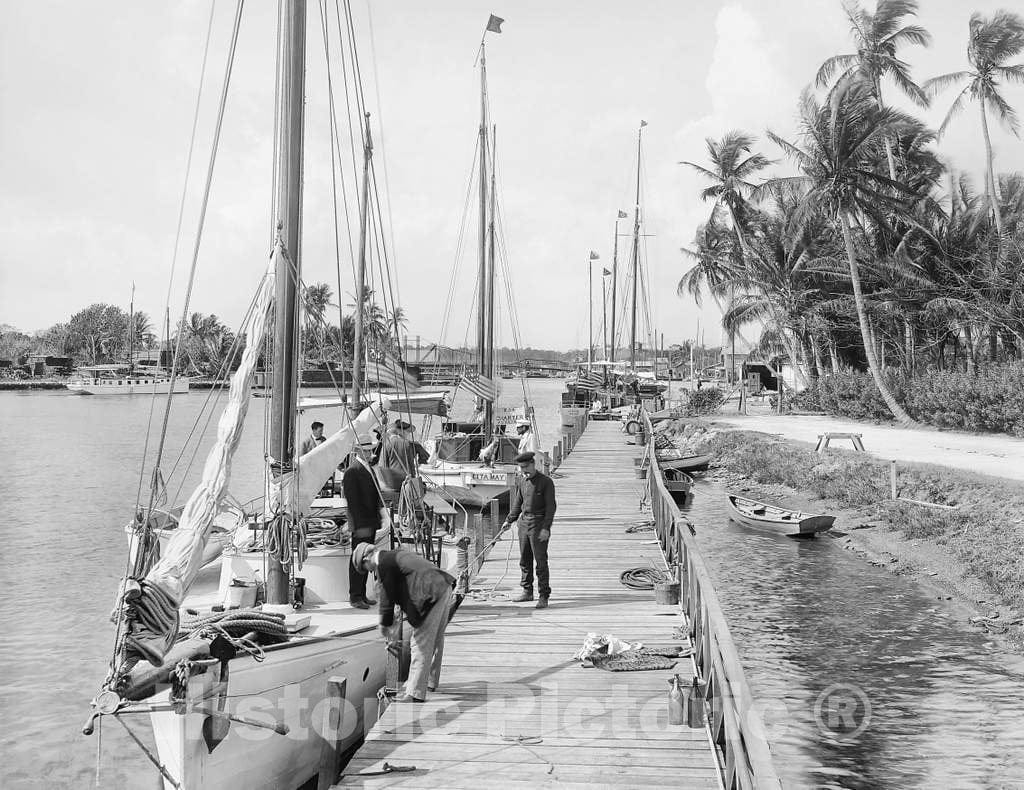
[[366, 514], [424, 593], [528, 442], [316, 437], [401, 454], [533, 505]]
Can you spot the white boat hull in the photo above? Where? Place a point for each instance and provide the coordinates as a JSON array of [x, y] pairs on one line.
[[485, 482], [129, 386], [289, 686]]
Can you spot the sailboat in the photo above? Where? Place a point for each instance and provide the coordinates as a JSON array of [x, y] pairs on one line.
[[456, 469], [259, 697], [126, 378]]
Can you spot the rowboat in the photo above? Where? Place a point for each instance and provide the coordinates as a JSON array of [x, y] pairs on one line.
[[670, 459], [792, 523], [677, 483]]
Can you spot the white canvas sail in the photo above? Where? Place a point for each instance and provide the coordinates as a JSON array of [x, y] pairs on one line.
[[177, 569], [294, 492]]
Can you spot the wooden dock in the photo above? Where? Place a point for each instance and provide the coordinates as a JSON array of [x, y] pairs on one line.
[[514, 708]]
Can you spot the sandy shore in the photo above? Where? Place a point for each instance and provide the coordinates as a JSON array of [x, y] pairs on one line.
[[990, 454]]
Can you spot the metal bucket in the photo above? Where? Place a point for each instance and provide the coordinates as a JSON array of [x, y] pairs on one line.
[[666, 593]]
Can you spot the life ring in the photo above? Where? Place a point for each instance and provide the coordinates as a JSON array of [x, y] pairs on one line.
[[633, 426]]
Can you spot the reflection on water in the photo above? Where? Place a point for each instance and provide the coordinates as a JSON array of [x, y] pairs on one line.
[[69, 472], [866, 680]]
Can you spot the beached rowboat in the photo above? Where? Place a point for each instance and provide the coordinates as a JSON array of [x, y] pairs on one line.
[[677, 483], [671, 459], [793, 523]]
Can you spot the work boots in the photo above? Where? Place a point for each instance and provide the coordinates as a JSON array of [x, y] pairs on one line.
[[542, 602], [523, 597]]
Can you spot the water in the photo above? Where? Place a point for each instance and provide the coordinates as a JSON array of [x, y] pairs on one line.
[[819, 629], [68, 483], [946, 711]]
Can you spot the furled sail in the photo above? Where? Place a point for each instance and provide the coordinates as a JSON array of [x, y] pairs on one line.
[[153, 621], [295, 491]]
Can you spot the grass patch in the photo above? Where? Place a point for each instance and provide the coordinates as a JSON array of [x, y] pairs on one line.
[[985, 533]]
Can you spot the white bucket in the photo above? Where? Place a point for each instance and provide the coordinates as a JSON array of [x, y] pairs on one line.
[[240, 595]]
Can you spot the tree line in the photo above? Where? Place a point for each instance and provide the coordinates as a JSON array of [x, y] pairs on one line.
[[876, 253]]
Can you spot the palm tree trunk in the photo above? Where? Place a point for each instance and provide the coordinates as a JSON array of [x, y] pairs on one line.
[[990, 171], [833, 354], [971, 350], [869, 350]]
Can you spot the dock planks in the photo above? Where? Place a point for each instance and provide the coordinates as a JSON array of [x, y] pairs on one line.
[[514, 709]]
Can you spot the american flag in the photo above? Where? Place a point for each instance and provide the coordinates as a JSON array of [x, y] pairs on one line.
[[588, 380], [481, 386]]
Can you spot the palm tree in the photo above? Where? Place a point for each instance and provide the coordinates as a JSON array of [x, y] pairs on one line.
[[842, 141], [991, 42], [732, 165], [316, 299], [877, 37]]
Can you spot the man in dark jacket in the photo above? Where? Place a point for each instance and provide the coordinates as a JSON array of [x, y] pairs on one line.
[[401, 454], [424, 593], [365, 516], [533, 506]]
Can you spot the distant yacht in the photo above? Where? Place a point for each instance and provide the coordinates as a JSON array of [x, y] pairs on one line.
[[121, 380]]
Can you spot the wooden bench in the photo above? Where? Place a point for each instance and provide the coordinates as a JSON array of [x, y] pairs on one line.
[[825, 438]]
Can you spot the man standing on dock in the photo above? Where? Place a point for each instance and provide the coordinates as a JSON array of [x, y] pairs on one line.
[[424, 593], [366, 515], [533, 506]]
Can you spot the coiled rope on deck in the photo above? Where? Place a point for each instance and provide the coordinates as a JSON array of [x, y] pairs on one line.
[[642, 578]]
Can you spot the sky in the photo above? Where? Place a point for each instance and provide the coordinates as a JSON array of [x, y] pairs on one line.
[[96, 111]]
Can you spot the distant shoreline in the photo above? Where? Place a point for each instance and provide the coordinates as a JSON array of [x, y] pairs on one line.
[[24, 385]]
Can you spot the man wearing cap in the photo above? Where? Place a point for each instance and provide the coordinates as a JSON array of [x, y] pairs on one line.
[[366, 514], [401, 454], [528, 442], [424, 593], [533, 506]]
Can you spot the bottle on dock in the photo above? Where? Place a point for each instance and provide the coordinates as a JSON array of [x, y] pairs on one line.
[[695, 705], [676, 713]]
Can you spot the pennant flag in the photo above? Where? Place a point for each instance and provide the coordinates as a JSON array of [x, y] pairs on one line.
[[606, 273], [481, 386], [623, 214], [594, 256], [643, 124], [494, 24]]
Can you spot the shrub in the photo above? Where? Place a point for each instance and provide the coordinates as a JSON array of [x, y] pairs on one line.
[[989, 401], [704, 401]]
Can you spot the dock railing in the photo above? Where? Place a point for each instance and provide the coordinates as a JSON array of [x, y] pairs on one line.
[[736, 726]]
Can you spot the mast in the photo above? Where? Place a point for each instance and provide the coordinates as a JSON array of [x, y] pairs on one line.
[[636, 253], [604, 315], [590, 312], [131, 332], [489, 346], [284, 380], [481, 328], [357, 345], [615, 278]]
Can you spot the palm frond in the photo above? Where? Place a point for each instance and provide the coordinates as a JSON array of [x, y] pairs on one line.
[[936, 85]]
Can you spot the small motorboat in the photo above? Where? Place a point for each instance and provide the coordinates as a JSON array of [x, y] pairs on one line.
[[792, 523], [673, 459], [677, 482]]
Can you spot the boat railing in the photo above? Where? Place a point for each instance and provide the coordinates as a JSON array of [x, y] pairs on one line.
[[737, 728]]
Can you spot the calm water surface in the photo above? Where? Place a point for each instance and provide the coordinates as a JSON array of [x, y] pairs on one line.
[[946, 711], [817, 628]]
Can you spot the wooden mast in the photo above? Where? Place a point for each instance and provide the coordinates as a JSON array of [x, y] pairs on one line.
[[357, 345], [284, 379], [481, 329], [615, 279], [636, 254], [489, 347]]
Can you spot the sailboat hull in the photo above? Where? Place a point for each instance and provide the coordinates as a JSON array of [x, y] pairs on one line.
[[130, 386], [290, 686]]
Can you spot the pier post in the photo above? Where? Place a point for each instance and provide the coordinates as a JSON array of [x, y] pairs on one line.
[[334, 718], [892, 478]]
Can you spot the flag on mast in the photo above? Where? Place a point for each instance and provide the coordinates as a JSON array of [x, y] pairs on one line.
[[481, 386], [643, 124], [606, 273], [494, 24], [623, 214], [594, 256]]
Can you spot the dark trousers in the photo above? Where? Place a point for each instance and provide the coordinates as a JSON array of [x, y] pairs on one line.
[[356, 579], [532, 550]]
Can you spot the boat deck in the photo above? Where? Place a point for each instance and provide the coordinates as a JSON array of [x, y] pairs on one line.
[[514, 708]]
